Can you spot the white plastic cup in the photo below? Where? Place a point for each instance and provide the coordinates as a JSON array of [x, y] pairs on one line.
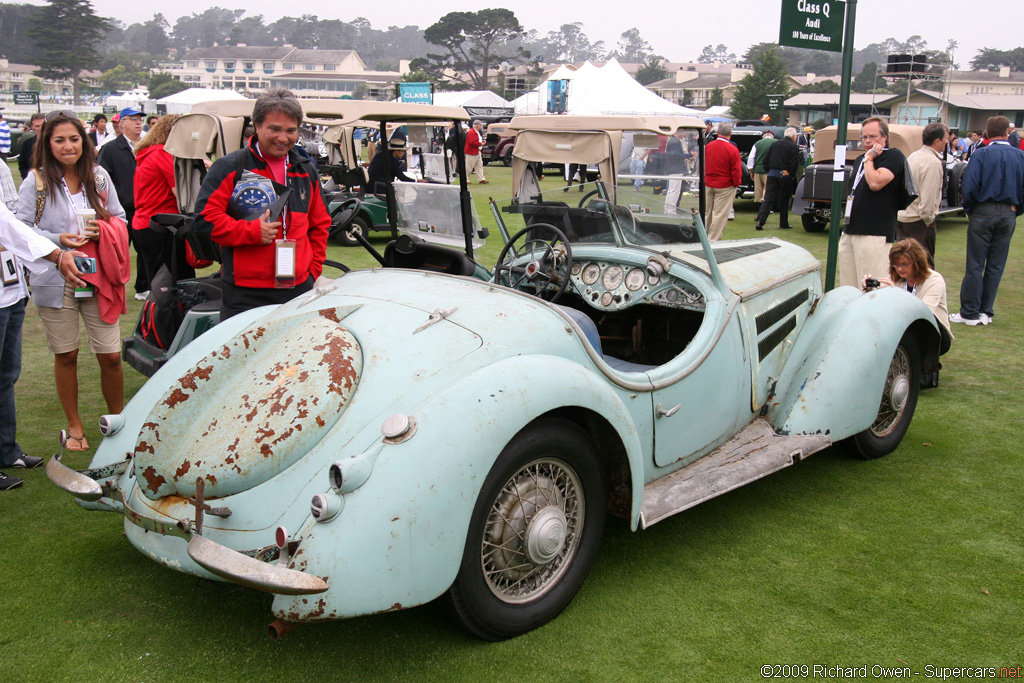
[[83, 216]]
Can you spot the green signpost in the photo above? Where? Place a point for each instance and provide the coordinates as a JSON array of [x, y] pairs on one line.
[[26, 97], [775, 107], [812, 24], [821, 25]]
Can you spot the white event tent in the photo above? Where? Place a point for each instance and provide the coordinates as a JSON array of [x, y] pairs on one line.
[[182, 102], [608, 90]]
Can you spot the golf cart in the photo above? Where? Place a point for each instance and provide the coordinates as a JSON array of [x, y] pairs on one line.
[[346, 178], [812, 200]]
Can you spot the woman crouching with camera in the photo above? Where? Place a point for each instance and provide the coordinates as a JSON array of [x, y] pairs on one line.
[[908, 269], [57, 198]]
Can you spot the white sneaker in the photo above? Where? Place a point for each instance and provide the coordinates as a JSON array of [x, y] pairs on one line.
[[955, 318], [142, 296], [986, 319]]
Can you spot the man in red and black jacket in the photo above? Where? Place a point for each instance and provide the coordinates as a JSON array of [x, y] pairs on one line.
[[262, 205]]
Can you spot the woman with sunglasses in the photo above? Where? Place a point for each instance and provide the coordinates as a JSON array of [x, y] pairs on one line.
[[65, 160], [908, 270]]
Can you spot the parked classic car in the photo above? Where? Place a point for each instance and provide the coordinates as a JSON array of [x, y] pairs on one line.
[[404, 434], [498, 144], [812, 200]]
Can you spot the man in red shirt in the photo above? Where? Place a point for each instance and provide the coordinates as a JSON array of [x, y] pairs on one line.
[[723, 174], [474, 162]]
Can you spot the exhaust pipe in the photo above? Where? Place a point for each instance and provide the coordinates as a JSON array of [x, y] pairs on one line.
[[279, 628]]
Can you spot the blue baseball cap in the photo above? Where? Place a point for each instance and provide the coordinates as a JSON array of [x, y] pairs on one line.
[[129, 111]]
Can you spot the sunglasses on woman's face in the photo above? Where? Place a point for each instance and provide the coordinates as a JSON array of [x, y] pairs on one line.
[[60, 112]]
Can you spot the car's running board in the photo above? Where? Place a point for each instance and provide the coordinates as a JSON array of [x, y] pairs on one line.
[[754, 452]]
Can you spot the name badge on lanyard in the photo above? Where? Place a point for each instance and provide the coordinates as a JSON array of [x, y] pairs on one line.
[[10, 267], [284, 263]]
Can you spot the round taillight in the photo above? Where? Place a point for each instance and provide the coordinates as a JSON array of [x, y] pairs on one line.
[[281, 537]]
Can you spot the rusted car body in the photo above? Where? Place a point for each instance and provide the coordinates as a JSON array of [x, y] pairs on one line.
[[403, 434]]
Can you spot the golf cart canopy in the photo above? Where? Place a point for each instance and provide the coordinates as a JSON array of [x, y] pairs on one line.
[[591, 140], [905, 138]]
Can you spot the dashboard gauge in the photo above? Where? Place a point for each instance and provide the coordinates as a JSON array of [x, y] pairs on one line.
[[635, 279], [672, 295], [591, 272], [606, 299], [612, 277], [576, 268]]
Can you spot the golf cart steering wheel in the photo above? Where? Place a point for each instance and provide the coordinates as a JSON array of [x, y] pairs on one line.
[[584, 198], [344, 214], [538, 262]]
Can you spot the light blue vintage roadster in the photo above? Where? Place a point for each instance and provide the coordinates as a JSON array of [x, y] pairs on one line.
[[416, 431]]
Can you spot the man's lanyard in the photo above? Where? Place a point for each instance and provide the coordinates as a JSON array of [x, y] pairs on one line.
[[860, 172], [284, 211]]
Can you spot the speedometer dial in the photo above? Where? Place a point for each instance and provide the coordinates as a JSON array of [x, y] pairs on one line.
[[612, 277], [635, 279], [591, 272]]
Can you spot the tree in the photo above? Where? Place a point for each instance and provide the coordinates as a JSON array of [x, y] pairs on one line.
[[472, 42], [769, 77], [867, 80], [14, 22], [35, 84], [710, 55], [570, 44], [653, 70], [203, 30], [632, 48], [826, 86], [67, 32], [990, 58], [162, 84], [716, 98]]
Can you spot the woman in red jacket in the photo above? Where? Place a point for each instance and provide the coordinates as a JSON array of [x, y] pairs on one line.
[[155, 193]]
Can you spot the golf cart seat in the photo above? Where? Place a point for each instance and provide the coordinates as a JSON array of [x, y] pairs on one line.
[[413, 253]]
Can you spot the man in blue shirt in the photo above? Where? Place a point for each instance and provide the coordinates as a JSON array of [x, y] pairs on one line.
[[993, 197]]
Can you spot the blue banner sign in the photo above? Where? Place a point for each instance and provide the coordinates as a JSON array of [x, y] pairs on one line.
[[419, 93]]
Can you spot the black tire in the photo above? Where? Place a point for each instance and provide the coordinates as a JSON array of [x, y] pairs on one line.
[[896, 408], [359, 225], [507, 158], [812, 223], [534, 534]]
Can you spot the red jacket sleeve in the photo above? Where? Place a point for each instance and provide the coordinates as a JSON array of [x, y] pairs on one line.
[[737, 167]]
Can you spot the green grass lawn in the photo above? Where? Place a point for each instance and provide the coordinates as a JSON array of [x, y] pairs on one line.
[[915, 559]]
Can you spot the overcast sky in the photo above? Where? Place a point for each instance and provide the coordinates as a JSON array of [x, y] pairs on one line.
[[676, 29]]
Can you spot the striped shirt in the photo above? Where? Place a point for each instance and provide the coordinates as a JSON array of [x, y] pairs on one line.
[[5, 137]]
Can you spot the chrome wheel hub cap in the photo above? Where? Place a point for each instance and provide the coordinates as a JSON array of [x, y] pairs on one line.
[[532, 531], [545, 537]]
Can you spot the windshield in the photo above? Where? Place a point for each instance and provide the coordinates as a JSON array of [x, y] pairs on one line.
[[656, 214], [431, 212]]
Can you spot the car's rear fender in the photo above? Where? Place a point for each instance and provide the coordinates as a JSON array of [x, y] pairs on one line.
[[837, 369], [398, 539]]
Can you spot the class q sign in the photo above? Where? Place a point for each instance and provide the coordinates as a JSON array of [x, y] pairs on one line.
[[812, 24]]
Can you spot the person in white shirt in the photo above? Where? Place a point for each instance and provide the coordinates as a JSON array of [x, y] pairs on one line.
[[99, 132], [20, 246]]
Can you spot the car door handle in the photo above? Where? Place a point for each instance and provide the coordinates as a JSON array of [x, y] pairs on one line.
[[659, 411]]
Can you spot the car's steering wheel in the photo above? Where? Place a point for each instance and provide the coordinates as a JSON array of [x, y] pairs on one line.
[[344, 214], [584, 198], [538, 262]]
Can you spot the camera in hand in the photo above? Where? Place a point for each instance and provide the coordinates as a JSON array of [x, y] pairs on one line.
[[871, 283], [85, 264]]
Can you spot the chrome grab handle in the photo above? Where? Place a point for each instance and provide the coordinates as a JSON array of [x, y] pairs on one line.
[[659, 411]]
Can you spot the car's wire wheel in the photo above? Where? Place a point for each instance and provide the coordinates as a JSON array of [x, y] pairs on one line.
[[895, 395], [531, 532]]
